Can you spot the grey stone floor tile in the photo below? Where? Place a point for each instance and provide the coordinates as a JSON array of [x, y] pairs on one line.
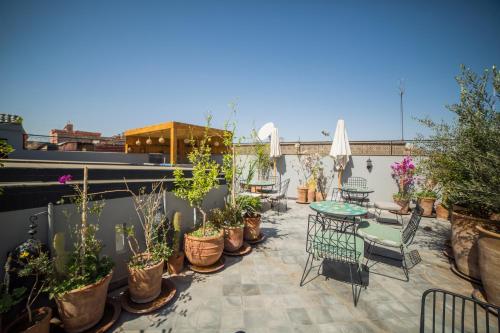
[[298, 316], [319, 315], [250, 289]]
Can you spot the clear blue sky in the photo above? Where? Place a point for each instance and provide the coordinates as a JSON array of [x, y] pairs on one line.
[[112, 65]]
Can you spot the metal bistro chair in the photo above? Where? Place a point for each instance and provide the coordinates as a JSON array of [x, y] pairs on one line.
[[450, 312], [356, 182], [280, 195], [275, 188], [376, 233], [334, 238]]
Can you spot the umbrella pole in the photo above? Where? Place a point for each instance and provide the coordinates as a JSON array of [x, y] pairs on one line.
[[340, 177], [274, 168]]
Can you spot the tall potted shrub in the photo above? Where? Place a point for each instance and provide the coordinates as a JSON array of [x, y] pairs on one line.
[[146, 265], [204, 245], [464, 158], [250, 207]]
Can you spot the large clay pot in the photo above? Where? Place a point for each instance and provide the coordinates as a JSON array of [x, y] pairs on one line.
[[233, 238], [319, 196], [252, 228], [464, 237], [204, 251], [175, 263], [442, 212], [427, 204], [302, 194], [144, 285], [82, 308], [311, 195], [489, 263], [42, 325], [404, 204]]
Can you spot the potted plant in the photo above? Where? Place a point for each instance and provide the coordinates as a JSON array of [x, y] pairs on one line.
[[250, 207], [36, 320], [426, 199], [204, 245], [80, 285], [145, 267], [229, 219], [8, 297], [402, 172], [175, 263], [308, 170], [463, 158]]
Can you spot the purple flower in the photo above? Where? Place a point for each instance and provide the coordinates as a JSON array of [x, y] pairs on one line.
[[65, 178]]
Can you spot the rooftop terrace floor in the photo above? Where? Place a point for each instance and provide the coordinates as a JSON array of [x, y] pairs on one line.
[[260, 292]]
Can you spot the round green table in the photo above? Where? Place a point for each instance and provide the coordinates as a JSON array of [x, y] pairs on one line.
[[260, 183], [336, 208]]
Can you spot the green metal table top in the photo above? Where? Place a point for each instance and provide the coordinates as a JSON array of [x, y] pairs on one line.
[[338, 208], [357, 189], [259, 183]]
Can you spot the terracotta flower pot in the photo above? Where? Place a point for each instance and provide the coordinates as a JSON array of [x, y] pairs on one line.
[[427, 204], [252, 228], [203, 251], [82, 308], [404, 204], [489, 263], [311, 195], [41, 316], [319, 196], [302, 194], [442, 212], [175, 263], [464, 237], [233, 238], [144, 284]]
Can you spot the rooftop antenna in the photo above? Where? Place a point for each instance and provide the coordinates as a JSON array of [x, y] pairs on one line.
[[401, 89]]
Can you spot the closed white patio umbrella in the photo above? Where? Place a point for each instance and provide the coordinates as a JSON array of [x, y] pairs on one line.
[[340, 150], [275, 148]]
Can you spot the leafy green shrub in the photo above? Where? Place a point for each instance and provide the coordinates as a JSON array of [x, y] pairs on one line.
[[250, 206], [428, 194], [463, 156]]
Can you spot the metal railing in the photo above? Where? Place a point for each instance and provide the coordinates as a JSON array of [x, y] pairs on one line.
[[72, 143]]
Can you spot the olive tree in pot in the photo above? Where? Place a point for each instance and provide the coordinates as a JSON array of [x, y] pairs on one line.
[[145, 267], [39, 266], [250, 208], [464, 159], [204, 245]]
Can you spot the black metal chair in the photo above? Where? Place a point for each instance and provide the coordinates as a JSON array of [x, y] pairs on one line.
[[280, 195], [377, 234], [334, 239], [354, 182], [444, 311], [275, 188]]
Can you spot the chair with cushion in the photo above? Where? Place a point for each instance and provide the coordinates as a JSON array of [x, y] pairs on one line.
[[375, 233], [334, 239], [275, 198]]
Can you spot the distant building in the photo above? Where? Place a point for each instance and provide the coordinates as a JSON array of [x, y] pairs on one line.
[[68, 134]]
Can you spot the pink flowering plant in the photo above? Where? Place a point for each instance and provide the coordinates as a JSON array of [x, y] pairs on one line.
[[403, 172]]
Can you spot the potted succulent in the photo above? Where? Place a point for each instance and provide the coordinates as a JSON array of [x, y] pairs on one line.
[[250, 207], [463, 158], [204, 245], [39, 266], [80, 284], [175, 263], [145, 267], [426, 199], [402, 172]]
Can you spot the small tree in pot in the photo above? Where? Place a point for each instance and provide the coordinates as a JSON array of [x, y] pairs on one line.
[[403, 172], [250, 207], [464, 158], [146, 266], [204, 245]]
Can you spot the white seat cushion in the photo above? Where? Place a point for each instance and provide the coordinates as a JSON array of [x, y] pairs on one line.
[[387, 205]]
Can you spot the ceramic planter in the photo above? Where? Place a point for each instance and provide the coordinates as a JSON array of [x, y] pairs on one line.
[[42, 324], [203, 251], [82, 308], [311, 195], [175, 263], [319, 196], [427, 205], [404, 204], [144, 284], [252, 228], [489, 263], [302, 194], [464, 237], [233, 238], [442, 212]]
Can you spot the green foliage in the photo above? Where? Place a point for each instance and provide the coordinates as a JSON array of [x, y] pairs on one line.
[[250, 206], [210, 230], [205, 172], [9, 299], [427, 194], [463, 156], [229, 216], [263, 161], [177, 232], [5, 150]]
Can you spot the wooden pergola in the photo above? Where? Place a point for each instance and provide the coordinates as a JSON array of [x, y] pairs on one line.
[[171, 138]]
